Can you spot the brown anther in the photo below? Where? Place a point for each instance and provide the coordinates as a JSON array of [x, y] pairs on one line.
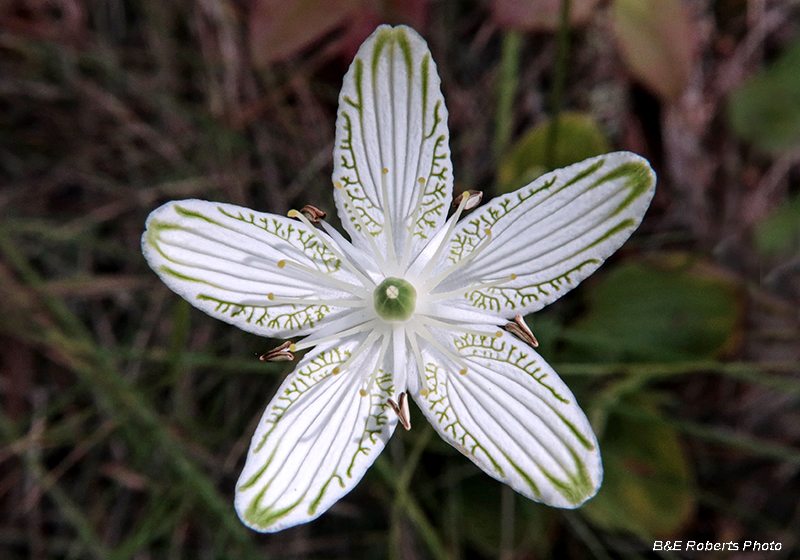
[[279, 354], [401, 409], [473, 199], [314, 215], [520, 329]]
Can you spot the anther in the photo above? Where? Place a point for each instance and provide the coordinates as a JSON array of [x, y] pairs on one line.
[[463, 371], [401, 409], [313, 214], [335, 370], [279, 354], [473, 199], [424, 393], [281, 263], [520, 329]]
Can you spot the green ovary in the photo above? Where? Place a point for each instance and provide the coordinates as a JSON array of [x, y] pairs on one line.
[[395, 300]]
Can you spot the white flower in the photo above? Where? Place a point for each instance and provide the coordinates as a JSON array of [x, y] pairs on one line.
[[416, 303]]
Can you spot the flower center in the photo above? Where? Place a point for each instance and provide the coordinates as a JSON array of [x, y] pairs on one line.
[[395, 300]]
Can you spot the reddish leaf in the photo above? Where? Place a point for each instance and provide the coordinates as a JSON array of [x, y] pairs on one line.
[[278, 29], [657, 40], [539, 15]]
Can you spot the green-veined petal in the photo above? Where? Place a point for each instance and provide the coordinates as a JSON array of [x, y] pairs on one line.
[[226, 260], [317, 437], [512, 416], [392, 117], [550, 234]]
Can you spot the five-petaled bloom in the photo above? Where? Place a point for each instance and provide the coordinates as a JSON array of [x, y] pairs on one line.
[[417, 303]]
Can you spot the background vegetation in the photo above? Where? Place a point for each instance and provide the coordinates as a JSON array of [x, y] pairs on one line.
[[126, 414]]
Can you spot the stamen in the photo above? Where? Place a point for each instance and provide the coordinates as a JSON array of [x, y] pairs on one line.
[[357, 352], [520, 329], [423, 381], [450, 227], [352, 288], [433, 282], [374, 374], [447, 353], [401, 409], [277, 300], [413, 221], [427, 320], [472, 288], [387, 222], [279, 354], [300, 216], [360, 222], [308, 342]]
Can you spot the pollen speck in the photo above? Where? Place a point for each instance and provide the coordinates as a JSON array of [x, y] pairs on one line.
[[293, 213], [513, 277], [270, 296], [498, 334], [385, 171], [335, 370], [281, 263], [487, 231], [292, 348], [337, 185], [423, 393], [421, 180], [362, 392], [463, 372]]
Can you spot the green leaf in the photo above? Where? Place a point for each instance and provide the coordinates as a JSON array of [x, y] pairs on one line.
[[647, 486], [642, 313], [578, 138], [779, 233], [656, 41], [765, 110]]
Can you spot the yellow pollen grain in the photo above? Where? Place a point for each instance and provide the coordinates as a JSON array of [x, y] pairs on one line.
[[385, 171], [281, 263], [337, 185], [498, 334], [487, 231], [292, 348], [362, 392], [270, 296], [293, 213], [421, 180], [463, 372], [423, 393], [513, 277], [335, 370]]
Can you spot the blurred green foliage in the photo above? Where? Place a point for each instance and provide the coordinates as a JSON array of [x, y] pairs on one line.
[[578, 137], [779, 232], [640, 313], [765, 110]]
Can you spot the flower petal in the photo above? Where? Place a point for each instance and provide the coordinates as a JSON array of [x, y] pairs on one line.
[[512, 416], [225, 260], [316, 439], [550, 234], [392, 117]]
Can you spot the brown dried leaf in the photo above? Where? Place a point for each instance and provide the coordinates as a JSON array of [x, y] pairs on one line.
[[657, 40], [538, 15], [278, 29]]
